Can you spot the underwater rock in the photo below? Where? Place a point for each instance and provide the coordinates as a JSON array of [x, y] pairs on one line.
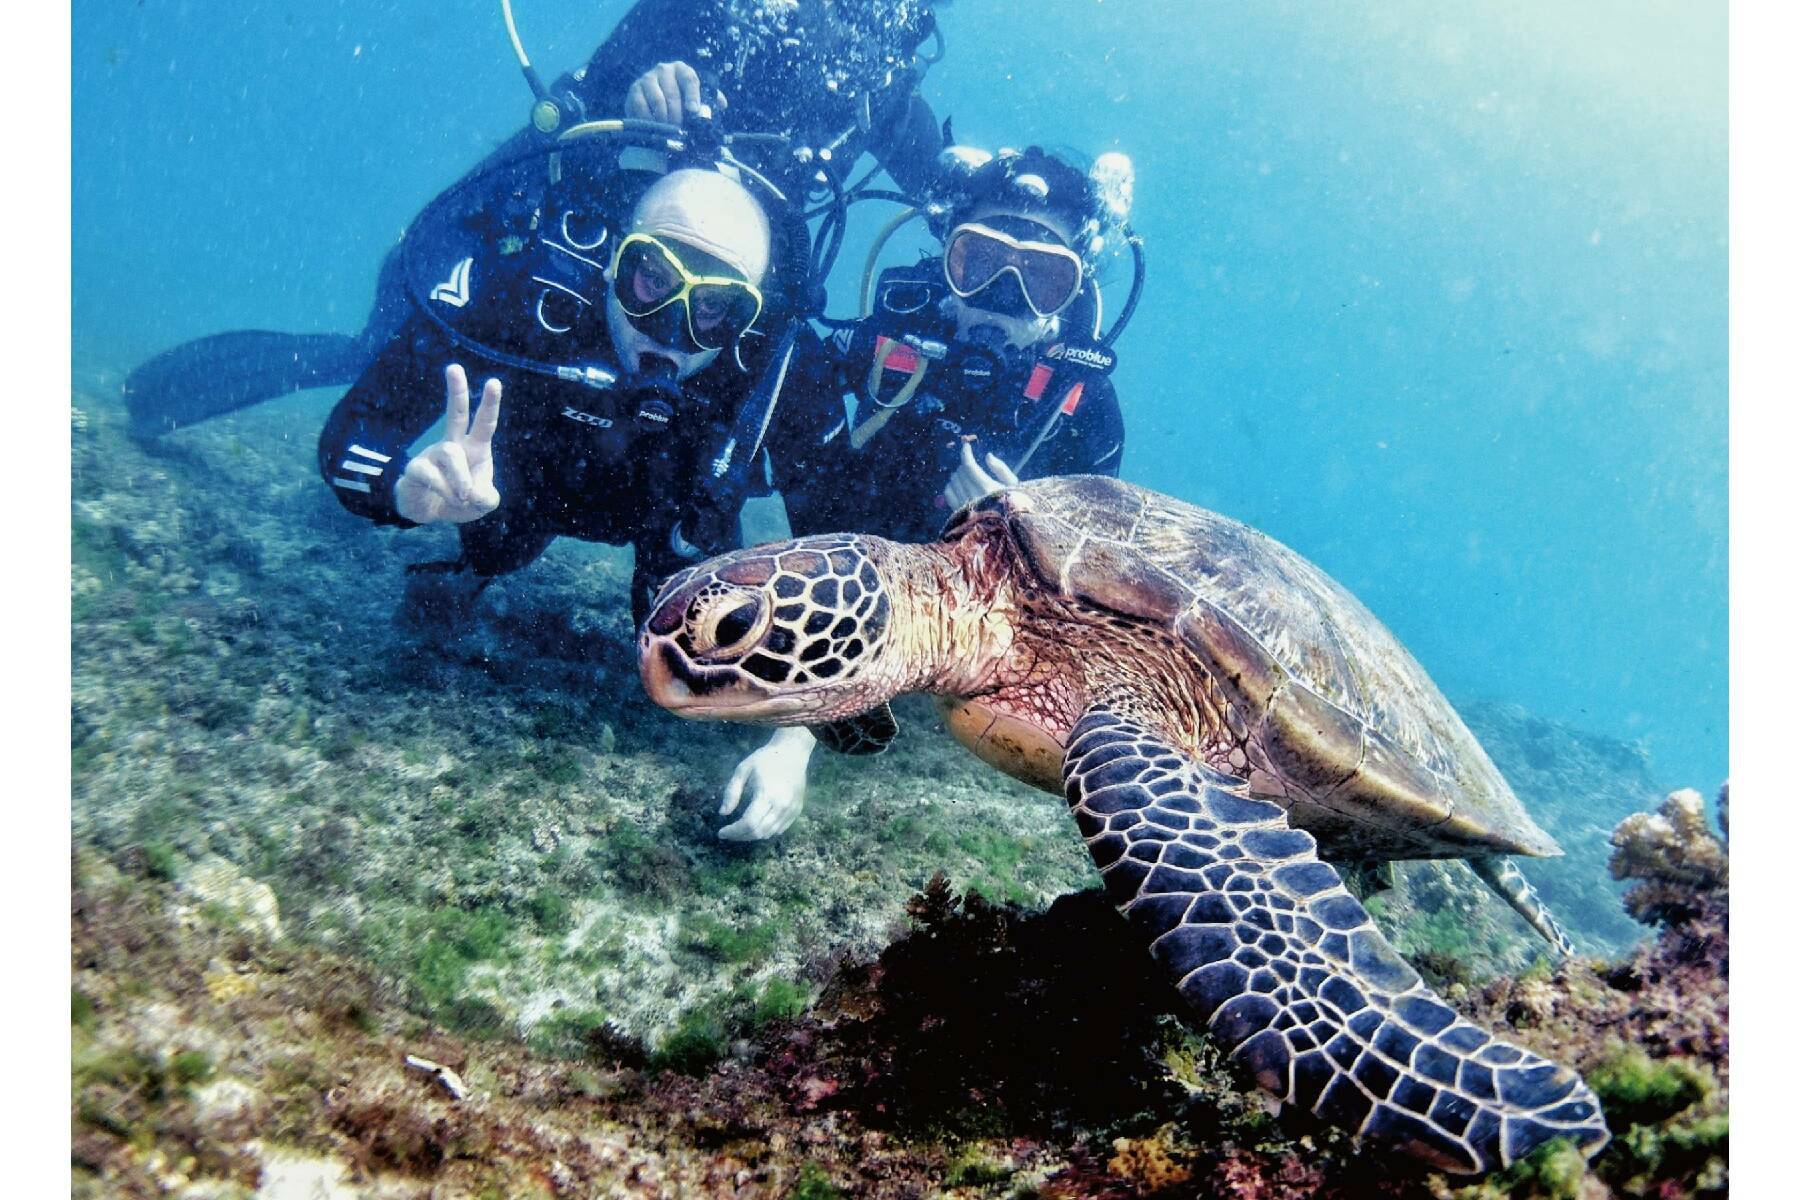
[[1577, 785], [988, 1051], [1676, 859], [287, 1175], [216, 881], [986, 1022], [496, 819]]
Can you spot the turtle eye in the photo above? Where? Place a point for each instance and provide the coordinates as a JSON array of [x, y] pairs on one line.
[[735, 625], [729, 624]]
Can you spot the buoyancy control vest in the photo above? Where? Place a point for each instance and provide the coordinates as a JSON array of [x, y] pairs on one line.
[[905, 355]]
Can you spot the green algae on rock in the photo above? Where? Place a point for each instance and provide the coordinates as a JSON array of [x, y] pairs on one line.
[[306, 1049], [489, 812]]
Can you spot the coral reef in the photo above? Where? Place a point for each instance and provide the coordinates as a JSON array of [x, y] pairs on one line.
[[1676, 860], [485, 808], [987, 1052], [1650, 1031], [301, 1076]]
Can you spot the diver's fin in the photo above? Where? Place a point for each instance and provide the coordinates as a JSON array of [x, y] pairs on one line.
[[1509, 883], [868, 732], [211, 376]]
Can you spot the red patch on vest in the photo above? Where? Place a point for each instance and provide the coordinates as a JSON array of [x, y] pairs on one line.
[[896, 356]]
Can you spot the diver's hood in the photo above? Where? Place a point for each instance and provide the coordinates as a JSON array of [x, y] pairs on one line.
[[709, 212], [714, 214]]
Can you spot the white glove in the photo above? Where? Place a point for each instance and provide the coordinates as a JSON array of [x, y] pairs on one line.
[[776, 775], [453, 480], [668, 92], [971, 483]]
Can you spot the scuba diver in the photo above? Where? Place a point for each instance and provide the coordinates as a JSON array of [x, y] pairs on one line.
[[621, 348], [987, 352], [975, 368], [825, 82]]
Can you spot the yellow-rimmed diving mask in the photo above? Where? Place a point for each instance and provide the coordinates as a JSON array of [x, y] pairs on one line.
[[666, 289]]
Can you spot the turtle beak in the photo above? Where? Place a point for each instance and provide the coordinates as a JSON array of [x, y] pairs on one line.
[[665, 674], [700, 694]]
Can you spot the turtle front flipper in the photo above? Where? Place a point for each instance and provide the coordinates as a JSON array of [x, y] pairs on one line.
[[1502, 874], [868, 732], [1286, 968]]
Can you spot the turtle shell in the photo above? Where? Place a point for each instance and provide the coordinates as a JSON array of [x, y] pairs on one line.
[[1346, 724]]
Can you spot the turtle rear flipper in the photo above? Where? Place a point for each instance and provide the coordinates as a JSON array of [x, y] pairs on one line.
[[868, 732], [1509, 883], [1287, 969]]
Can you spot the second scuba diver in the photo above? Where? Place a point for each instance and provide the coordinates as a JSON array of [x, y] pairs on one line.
[[977, 367], [654, 308]]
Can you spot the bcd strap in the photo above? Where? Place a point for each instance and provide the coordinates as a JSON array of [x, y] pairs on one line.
[[728, 472], [1070, 402], [890, 355], [1039, 382], [1079, 359]]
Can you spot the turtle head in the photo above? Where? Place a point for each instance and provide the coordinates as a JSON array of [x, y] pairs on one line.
[[794, 633]]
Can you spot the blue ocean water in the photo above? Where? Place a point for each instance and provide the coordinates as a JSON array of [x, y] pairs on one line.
[[1437, 294]]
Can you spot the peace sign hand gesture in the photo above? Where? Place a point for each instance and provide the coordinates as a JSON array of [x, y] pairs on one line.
[[453, 480]]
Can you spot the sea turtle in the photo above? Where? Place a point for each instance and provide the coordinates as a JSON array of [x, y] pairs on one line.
[[1224, 720]]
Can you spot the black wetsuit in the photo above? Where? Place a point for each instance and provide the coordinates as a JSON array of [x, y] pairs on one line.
[[1049, 411], [519, 287]]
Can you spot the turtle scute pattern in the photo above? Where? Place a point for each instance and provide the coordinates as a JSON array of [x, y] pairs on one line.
[[1347, 719], [830, 610], [1289, 972]]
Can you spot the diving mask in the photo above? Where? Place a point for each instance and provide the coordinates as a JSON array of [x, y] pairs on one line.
[[977, 255], [665, 298]]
